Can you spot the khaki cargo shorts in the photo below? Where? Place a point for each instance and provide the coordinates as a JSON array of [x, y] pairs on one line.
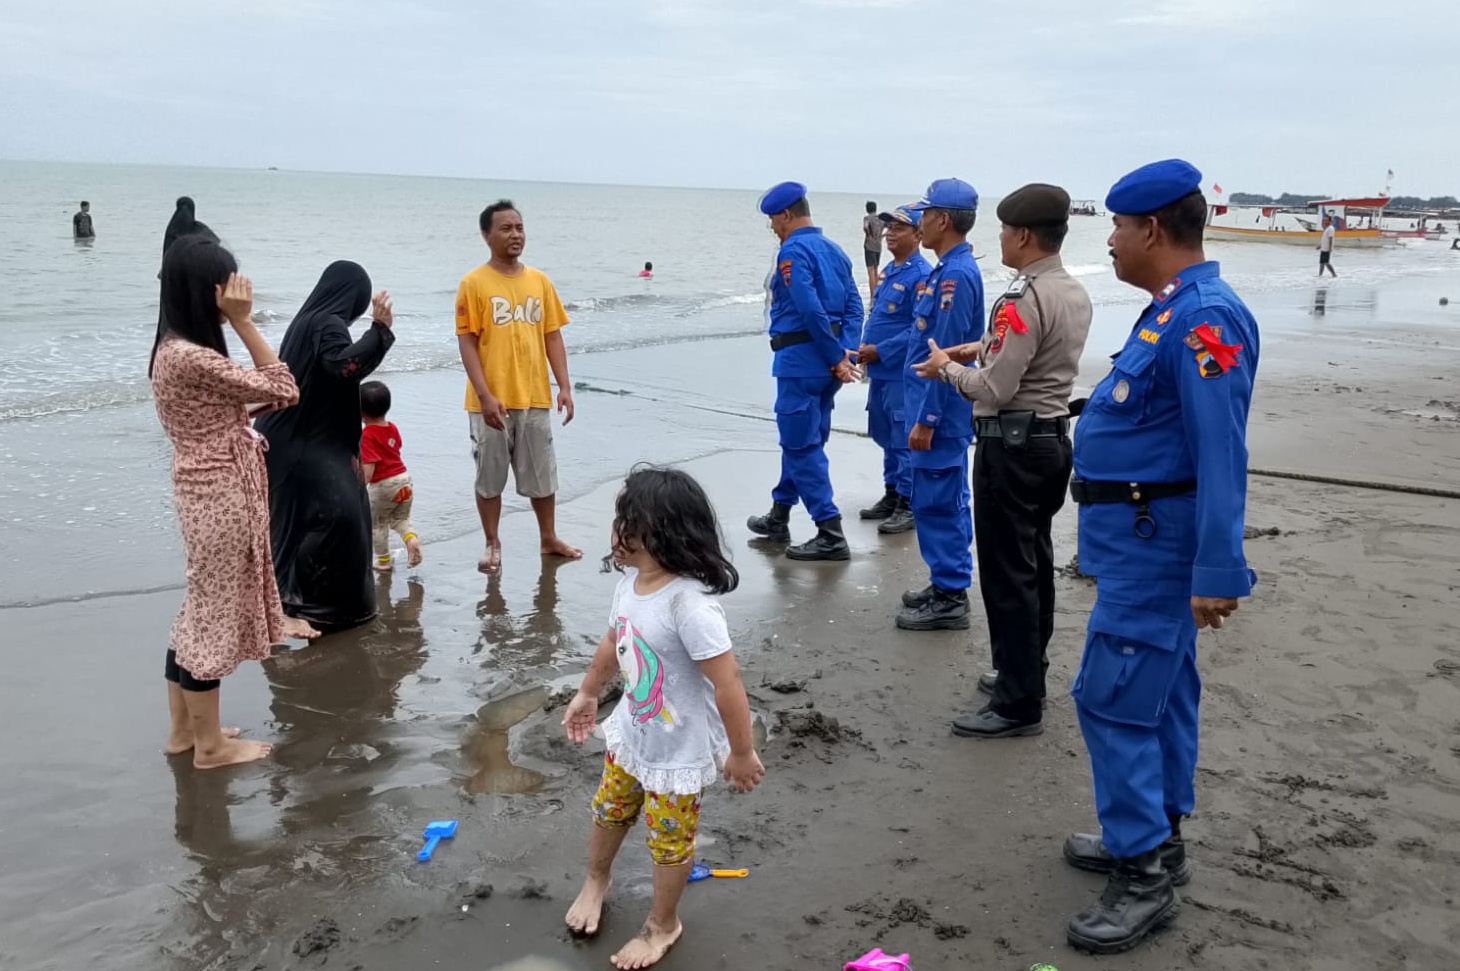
[[525, 446]]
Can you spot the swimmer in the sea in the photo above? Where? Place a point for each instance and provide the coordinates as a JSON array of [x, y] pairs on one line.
[[647, 273]]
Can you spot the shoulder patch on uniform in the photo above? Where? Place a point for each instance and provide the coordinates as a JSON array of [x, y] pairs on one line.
[[1148, 335], [1213, 358], [1164, 316], [785, 269], [1170, 288], [461, 310], [1017, 287]]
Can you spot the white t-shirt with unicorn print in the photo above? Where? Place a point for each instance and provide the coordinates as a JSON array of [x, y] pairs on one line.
[[666, 731]]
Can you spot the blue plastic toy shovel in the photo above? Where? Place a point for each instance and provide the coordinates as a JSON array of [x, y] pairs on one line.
[[700, 872], [436, 831]]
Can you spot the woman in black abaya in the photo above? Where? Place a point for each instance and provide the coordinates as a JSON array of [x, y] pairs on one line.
[[318, 509]]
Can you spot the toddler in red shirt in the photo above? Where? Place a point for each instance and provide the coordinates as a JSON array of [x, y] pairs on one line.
[[389, 484]]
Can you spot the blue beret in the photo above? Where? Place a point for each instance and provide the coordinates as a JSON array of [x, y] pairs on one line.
[[948, 194], [779, 198], [1153, 187]]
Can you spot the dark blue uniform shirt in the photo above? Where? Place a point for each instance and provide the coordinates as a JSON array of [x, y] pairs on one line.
[[890, 320], [812, 291], [1174, 409], [950, 311]]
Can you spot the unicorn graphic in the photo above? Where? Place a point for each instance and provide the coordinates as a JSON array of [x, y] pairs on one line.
[[643, 677]]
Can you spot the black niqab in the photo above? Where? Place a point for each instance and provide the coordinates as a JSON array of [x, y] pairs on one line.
[[319, 511]]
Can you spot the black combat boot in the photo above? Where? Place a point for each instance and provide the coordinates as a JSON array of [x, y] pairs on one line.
[[1138, 898], [829, 543], [900, 521], [775, 524], [916, 598], [1086, 851], [944, 610], [883, 507]]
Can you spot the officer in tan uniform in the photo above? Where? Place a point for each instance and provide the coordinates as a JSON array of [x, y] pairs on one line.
[[1020, 391]]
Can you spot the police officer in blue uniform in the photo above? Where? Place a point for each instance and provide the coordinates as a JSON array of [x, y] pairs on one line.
[[939, 420], [1161, 481], [883, 353], [815, 324]]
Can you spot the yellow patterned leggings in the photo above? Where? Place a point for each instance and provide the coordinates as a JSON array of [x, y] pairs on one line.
[[672, 820]]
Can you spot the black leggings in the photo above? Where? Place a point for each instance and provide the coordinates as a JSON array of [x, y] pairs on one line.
[[179, 675]]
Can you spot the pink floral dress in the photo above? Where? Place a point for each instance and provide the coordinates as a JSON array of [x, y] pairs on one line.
[[231, 611]]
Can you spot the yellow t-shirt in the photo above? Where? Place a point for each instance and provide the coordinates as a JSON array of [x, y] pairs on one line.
[[510, 316]]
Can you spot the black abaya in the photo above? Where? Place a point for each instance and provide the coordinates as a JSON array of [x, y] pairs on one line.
[[318, 508]]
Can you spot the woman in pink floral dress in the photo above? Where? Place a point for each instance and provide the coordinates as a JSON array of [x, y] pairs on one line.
[[231, 612]]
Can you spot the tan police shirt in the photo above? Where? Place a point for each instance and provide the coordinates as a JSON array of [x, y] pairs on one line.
[[1031, 351]]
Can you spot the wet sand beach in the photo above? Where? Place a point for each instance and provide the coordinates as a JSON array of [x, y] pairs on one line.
[[1328, 813]]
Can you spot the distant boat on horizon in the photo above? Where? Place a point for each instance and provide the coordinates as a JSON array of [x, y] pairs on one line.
[[273, 168]]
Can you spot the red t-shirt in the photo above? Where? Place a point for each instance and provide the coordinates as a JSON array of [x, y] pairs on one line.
[[381, 444]]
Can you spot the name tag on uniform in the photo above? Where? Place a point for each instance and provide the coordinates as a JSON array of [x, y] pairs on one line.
[[898, 286], [1016, 289]]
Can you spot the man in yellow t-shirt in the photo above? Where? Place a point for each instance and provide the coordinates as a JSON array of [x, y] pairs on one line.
[[509, 329]]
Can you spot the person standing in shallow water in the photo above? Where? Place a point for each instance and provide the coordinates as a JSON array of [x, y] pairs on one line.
[[319, 510], [81, 223], [509, 324], [231, 611]]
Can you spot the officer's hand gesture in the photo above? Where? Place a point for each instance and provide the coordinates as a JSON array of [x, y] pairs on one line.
[[920, 439], [937, 357], [867, 354], [1211, 611]]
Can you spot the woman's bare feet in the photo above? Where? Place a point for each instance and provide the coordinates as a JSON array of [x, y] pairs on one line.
[[178, 743], [233, 751], [383, 566], [556, 547], [491, 561], [299, 629], [648, 948], [413, 552], [587, 911]]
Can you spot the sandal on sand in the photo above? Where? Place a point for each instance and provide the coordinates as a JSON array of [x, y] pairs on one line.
[[875, 960]]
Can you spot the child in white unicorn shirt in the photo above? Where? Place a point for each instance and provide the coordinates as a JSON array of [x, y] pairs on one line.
[[684, 719]]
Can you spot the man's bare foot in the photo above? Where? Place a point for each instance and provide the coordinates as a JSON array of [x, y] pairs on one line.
[[556, 547], [233, 751], [491, 561], [178, 744], [587, 911], [648, 948], [413, 552], [298, 629]]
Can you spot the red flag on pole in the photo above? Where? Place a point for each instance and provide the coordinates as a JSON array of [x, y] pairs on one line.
[[1216, 188]]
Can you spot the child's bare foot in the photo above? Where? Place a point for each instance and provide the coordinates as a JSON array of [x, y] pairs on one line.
[[648, 948], [299, 629], [177, 743], [491, 561], [587, 911], [556, 547], [233, 751], [413, 552]]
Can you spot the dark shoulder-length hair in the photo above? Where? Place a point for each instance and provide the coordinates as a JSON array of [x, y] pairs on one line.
[[667, 514], [193, 267]]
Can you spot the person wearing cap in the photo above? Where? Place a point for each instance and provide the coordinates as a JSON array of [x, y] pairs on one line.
[[940, 421], [1028, 360], [883, 353], [815, 316], [1161, 485]]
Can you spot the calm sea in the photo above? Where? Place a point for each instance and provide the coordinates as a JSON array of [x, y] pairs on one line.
[[84, 456]]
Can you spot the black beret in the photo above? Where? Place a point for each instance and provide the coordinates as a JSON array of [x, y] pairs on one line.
[[1036, 204]]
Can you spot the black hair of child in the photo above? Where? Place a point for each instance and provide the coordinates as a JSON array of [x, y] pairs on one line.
[[666, 513], [374, 399]]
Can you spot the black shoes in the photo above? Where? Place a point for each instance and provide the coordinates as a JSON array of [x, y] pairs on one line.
[[883, 507], [987, 723], [916, 598], [829, 543], [986, 682], [1138, 898], [900, 520], [934, 609], [774, 525], [1086, 851]]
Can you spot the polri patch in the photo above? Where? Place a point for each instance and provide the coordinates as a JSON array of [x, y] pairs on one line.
[[922, 323], [785, 269], [1164, 316], [1121, 391], [1149, 336]]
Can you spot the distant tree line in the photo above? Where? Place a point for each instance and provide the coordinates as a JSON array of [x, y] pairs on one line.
[[1297, 200]]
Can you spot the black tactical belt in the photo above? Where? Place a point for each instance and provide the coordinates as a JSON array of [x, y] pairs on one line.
[[1039, 428], [1136, 493], [790, 339]]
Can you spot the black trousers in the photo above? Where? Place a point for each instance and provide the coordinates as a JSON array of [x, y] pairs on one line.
[[1016, 494]]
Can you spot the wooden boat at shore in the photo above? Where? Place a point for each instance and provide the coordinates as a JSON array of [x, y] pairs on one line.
[[1084, 207], [1358, 223]]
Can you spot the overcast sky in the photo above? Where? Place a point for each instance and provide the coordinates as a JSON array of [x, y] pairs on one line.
[[1262, 95]]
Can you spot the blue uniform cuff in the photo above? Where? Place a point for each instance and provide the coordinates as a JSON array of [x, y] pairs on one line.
[[1207, 581]]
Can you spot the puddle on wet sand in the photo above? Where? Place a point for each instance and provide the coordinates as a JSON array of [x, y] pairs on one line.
[[532, 964], [486, 748]]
